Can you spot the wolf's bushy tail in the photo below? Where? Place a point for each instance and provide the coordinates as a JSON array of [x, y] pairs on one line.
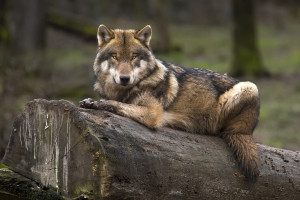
[[246, 152]]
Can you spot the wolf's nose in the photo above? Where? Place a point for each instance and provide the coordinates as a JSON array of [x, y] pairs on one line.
[[124, 79]]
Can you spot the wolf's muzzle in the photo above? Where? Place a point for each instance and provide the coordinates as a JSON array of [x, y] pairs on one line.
[[124, 80]]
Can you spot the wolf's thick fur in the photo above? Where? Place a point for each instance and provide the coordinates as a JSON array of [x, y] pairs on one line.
[[133, 83]]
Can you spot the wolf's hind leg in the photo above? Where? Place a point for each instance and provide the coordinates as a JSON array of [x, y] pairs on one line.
[[240, 112]]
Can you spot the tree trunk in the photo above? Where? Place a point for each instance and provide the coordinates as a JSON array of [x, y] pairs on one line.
[[4, 31], [105, 156], [160, 20], [28, 25], [246, 56]]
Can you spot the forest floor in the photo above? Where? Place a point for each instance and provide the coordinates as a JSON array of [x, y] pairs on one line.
[[65, 72]]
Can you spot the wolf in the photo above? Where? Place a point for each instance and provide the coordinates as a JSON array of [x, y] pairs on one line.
[[133, 83]]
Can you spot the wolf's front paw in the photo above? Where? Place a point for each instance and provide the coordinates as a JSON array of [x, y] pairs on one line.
[[87, 103], [98, 105], [107, 105]]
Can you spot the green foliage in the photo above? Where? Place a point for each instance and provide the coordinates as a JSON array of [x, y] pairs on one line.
[[280, 48], [4, 35], [2, 166], [280, 112], [4, 30]]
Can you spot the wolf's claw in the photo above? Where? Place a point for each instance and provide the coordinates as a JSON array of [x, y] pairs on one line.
[[87, 103]]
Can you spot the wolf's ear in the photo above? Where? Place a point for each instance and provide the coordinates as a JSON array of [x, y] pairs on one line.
[[144, 35], [104, 35]]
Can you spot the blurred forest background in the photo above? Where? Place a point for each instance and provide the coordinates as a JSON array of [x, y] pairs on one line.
[[47, 50]]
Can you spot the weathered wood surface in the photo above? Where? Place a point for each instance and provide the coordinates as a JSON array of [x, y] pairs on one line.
[[16, 187], [105, 156]]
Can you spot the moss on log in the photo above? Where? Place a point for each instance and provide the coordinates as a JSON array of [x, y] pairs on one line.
[[14, 186]]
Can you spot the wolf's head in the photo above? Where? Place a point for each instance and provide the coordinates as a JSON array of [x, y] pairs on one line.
[[124, 55]]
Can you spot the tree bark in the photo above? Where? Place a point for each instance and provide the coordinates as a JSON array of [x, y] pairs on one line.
[[246, 56], [105, 156]]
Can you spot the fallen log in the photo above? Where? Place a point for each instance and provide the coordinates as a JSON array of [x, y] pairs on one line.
[[105, 156], [16, 187]]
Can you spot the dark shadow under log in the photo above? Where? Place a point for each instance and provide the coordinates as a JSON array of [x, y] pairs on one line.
[[106, 156]]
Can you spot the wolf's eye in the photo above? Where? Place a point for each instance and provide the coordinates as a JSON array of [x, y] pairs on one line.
[[133, 57], [114, 57]]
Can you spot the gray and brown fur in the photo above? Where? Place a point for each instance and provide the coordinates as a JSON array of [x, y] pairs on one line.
[[133, 83]]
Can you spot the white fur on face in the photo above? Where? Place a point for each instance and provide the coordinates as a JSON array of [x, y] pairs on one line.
[[115, 75], [104, 66], [131, 78], [136, 71], [143, 64]]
